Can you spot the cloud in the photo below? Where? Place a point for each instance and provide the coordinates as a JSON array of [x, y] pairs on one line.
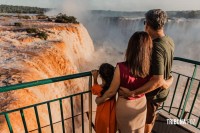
[[74, 7]]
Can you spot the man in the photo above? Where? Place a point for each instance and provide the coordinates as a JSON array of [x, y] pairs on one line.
[[161, 64]]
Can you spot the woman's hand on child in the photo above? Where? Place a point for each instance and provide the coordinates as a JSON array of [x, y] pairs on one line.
[[98, 100]]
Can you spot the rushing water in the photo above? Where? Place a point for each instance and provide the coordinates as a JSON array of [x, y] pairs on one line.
[[116, 31]]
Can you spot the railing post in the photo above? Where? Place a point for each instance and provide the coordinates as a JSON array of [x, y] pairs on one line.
[[37, 118], [179, 109], [174, 93], [90, 105], [50, 117], [195, 97], [198, 123], [62, 116], [23, 120], [72, 113], [189, 91], [8, 123], [82, 113]]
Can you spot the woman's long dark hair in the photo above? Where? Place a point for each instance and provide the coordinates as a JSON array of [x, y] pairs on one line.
[[106, 72], [138, 54]]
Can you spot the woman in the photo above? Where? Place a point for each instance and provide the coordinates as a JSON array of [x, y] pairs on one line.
[[133, 73]]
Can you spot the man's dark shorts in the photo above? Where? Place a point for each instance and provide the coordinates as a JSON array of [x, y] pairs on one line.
[[151, 110]]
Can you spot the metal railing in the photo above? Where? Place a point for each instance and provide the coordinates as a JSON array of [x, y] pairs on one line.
[[60, 100], [181, 110]]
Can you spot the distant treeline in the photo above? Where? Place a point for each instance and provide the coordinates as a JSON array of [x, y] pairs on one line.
[[22, 9], [171, 14]]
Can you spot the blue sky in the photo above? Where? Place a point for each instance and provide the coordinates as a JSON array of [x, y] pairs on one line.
[[120, 5]]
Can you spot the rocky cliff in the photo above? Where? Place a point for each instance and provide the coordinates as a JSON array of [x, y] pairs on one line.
[[25, 57]]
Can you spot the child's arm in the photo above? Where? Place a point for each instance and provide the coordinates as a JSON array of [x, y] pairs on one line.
[[96, 88], [95, 74]]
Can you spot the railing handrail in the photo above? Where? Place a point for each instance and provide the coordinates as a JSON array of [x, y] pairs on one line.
[[34, 106], [187, 60], [42, 82], [41, 103], [67, 77]]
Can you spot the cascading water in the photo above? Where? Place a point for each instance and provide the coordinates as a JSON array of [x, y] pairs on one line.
[[116, 31], [25, 58]]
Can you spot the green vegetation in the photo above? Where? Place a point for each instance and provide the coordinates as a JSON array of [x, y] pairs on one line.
[[37, 33], [22, 9], [18, 24], [24, 17], [49, 19], [42, 35], [63, 18], [41, 16], [32, 30]]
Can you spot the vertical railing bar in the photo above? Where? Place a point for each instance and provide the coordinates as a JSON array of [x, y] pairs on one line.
[[195, 97], [90, 105], [82, 114], [198, 123], [62, 117], [37, 118], [8, 123], [163, 105], [23, 120], [189, 90], [174, 93], [183, 96], [72, 113], [50, 117]]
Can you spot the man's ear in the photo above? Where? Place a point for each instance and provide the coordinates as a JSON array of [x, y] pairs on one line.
[[146, 27]]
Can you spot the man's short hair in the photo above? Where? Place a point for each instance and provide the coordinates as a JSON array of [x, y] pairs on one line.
[[156, 18]]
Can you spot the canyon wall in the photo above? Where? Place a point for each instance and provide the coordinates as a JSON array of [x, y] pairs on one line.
[[24, 58]]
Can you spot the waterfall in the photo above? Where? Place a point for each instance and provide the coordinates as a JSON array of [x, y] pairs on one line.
[[24, 58], [116, 31]]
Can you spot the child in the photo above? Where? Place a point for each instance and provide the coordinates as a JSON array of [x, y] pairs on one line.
[[105, 121]]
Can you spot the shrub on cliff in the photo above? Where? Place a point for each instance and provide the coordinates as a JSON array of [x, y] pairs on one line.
[[24, 17], [49, 19], [18, 24], [41, 16], [37, 33], [41, 35], [32, 30], [63, 18]]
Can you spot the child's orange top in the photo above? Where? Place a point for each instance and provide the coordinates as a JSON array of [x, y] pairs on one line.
[[105, 120]]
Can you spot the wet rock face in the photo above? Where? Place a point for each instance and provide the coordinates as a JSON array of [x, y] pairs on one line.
[[25, 57], [9, 77]]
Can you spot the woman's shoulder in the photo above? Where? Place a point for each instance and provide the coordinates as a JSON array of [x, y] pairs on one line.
[[122, 66], [121, 63]]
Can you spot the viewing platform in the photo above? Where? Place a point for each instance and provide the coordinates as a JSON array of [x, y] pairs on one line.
[[176, 108]]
